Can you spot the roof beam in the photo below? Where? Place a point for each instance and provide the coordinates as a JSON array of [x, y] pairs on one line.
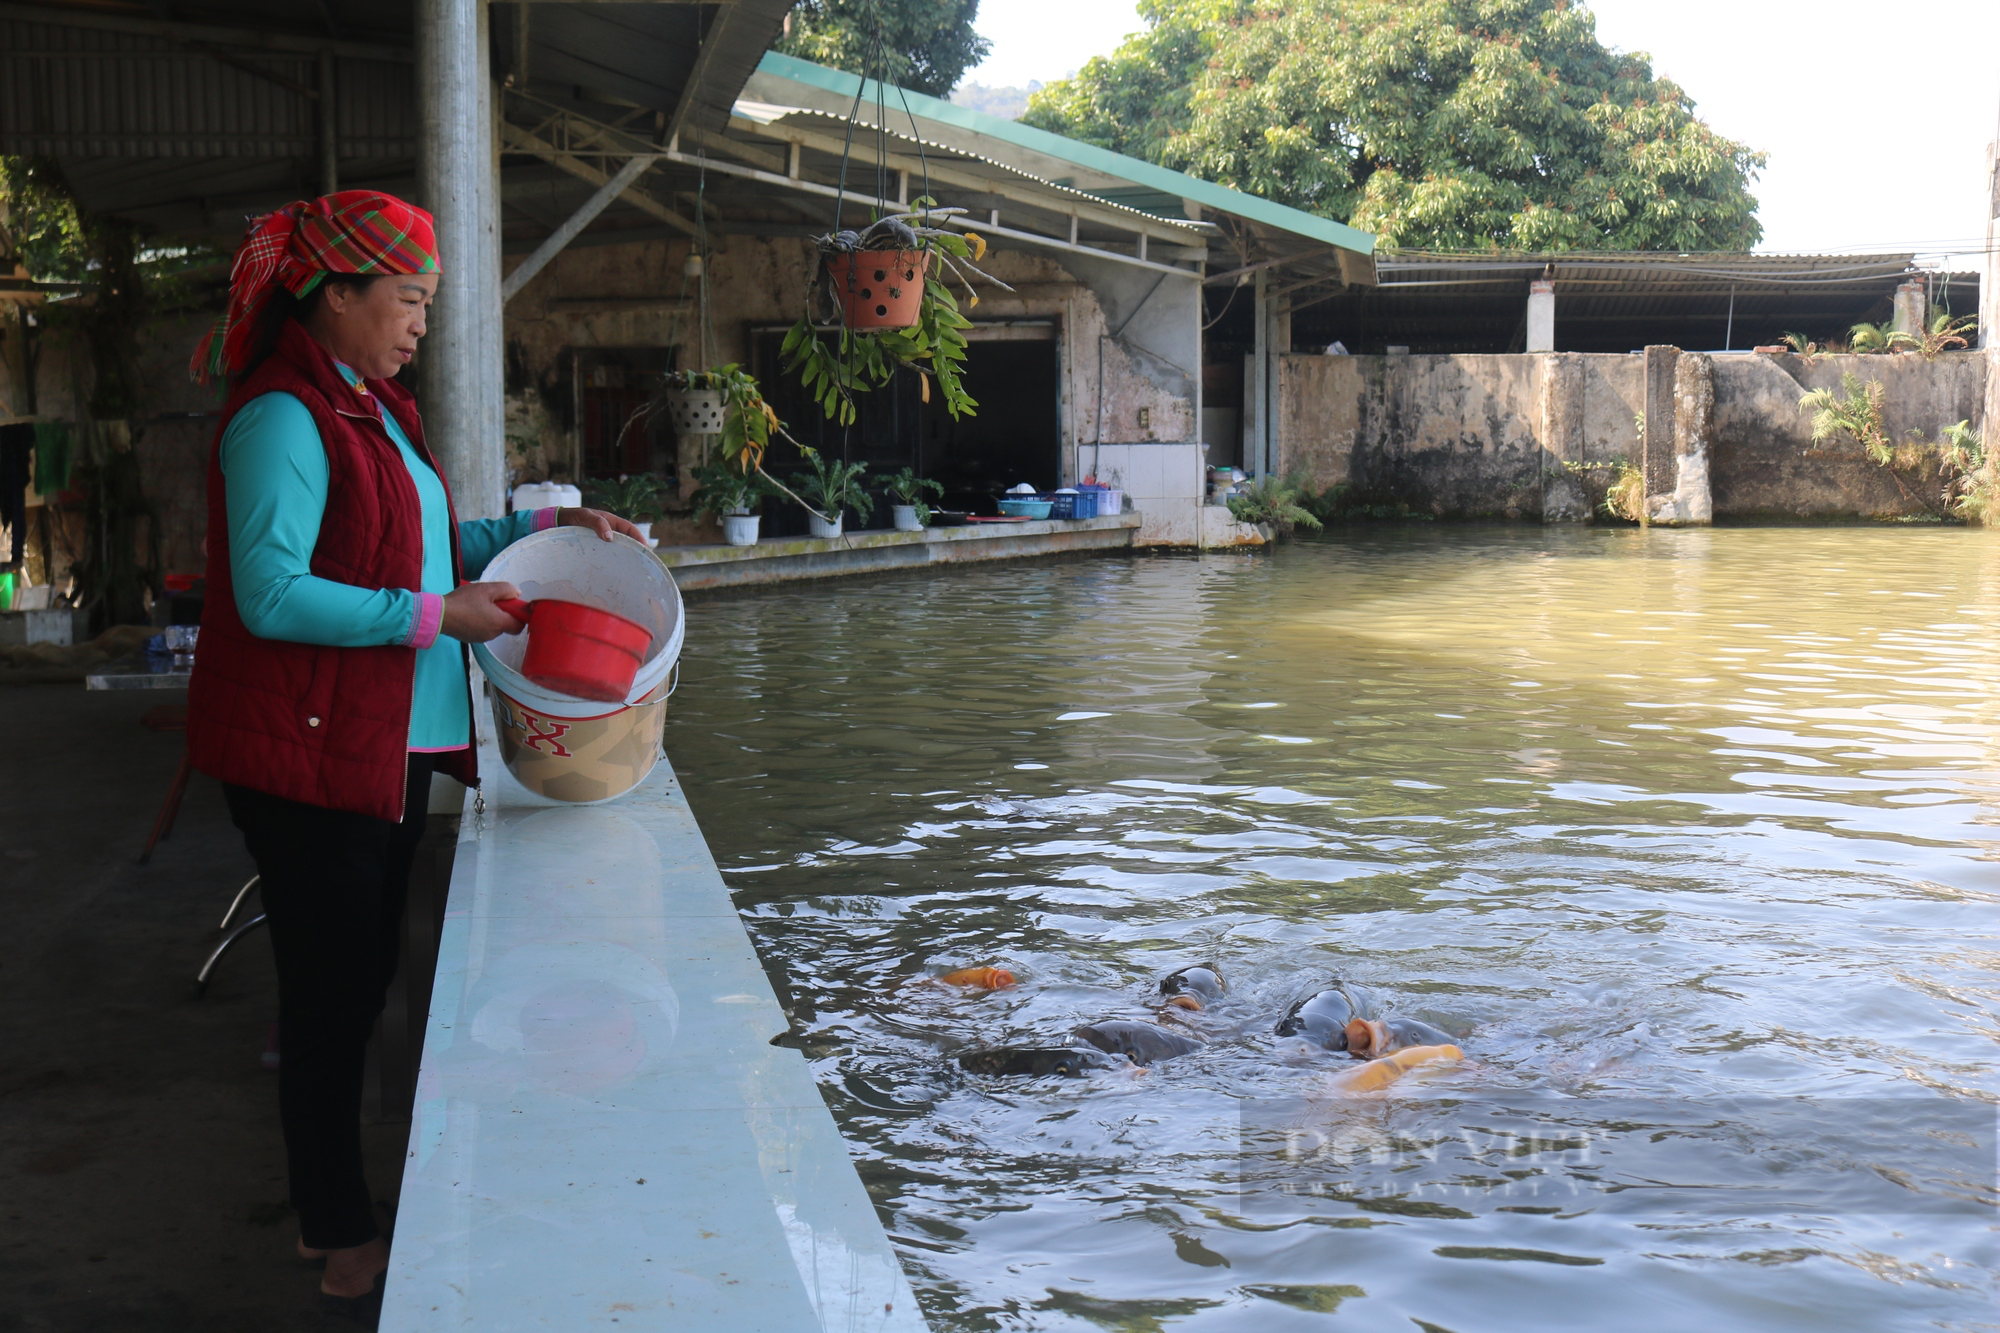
[[1231, 275], [1081, 207], [577, 221], [729, 23], [520, 141], [246, 38], [891, 206]]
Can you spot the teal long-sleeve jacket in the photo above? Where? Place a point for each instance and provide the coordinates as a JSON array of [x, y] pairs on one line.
[[275, 473]]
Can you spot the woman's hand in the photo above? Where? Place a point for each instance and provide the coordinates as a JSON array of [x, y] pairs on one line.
[[597, 520], [470, 615]]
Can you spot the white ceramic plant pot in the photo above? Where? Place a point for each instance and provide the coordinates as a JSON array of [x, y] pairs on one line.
[[822, 528], [645, 532], [696, 411], [906, 518], [740, 529]]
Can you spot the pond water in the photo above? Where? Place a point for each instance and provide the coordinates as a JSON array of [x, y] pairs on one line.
[[1686, 836]]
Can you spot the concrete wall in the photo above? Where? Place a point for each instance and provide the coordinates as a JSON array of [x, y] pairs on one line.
[[1765, 463], [1488, 436], [1457, 436]]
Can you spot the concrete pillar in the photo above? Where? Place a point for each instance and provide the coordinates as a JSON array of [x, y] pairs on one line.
[[1989, 285], [1257, 414], [458, 181], [1277, 344], [1559, 423], [1909, 308], [1541, 315], [1683, 442], [1656, 444]]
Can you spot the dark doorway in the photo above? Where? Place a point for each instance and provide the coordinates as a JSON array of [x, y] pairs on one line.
[[616, 435], [1013, 373]]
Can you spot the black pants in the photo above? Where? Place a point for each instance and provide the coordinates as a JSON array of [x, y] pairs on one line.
[[333, 890]]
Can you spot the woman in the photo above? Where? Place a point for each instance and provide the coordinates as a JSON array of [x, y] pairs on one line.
[[332, 677]]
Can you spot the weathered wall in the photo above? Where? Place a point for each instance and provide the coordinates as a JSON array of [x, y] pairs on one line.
[[1765, 463], [1489, 436], [1458, 436], [628, 296]]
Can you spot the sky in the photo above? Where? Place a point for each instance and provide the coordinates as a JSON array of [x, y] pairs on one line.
[[1876, 116]]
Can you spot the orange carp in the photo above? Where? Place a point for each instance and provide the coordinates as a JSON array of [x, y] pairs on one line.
[[979, 978], [1381, 1073]]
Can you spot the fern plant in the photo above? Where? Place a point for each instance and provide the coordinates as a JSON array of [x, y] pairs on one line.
[[635, 496], [1626, 496], [1279, 501], [1855, 412], [1944, 332], [724, 490], [1808, 350], [910, 489], [832, 487], [1877, 339]]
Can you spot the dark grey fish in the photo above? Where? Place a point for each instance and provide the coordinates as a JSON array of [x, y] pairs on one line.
[[1143, 1042], [1203, 981], [1031, 1061], [1322, 1018]]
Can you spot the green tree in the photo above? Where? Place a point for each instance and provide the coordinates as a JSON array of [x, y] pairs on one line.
[[1445, 124], [925, 45]]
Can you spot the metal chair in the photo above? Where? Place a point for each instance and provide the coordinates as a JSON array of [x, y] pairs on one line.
[[229, 940]]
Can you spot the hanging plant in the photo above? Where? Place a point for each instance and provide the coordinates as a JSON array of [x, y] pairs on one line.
[[745, 420], [896, 308]]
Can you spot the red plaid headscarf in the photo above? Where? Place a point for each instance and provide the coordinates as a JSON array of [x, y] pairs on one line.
[[355, 231]]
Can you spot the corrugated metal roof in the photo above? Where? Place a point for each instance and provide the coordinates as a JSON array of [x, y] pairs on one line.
[[1434, 301], [1045, 156]]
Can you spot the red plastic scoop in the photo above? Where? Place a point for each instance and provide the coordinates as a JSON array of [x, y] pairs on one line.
[[579, 650]]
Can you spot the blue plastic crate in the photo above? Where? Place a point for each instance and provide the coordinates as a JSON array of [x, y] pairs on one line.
[[1082, 504]]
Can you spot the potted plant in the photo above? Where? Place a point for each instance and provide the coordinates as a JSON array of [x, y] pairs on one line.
[[728, 495], [635, 496], [694, 401], [912, 514], [829, 490], [894, 311]]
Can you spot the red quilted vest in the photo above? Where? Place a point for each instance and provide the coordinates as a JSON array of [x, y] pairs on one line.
[[326, 726]]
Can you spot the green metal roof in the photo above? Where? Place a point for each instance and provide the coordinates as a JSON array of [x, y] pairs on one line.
[[1145, 181]]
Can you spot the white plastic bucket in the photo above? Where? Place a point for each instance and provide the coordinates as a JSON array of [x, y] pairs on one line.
[[576, 565], [579, 760]]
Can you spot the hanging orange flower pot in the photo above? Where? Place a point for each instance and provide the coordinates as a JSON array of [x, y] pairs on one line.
[[879, 289]]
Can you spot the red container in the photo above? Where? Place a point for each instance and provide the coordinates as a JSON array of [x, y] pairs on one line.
[[579, 650], [880, 289]]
